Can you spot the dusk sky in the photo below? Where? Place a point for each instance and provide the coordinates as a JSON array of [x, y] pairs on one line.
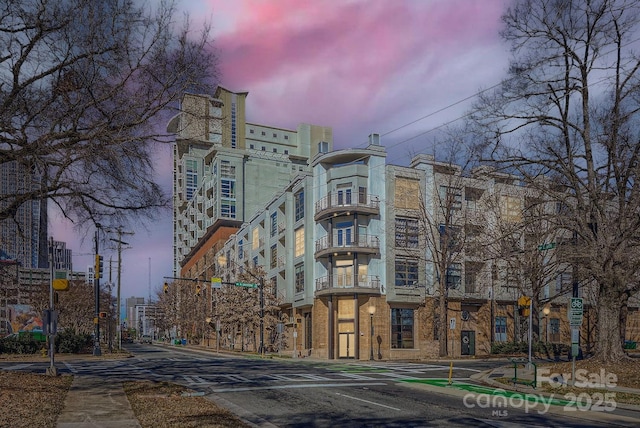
[[398, 68]]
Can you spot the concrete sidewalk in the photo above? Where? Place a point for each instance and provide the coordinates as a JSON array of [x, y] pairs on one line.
[[94, 402]]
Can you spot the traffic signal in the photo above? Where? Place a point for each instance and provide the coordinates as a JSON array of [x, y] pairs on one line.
[[524, 306], [165, 288], [97, 270], [102, 314], [198, 289]]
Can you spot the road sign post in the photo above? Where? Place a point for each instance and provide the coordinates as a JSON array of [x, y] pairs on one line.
[[575, 314]]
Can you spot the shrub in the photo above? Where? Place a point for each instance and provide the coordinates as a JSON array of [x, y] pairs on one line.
[[509, 347], [68, 342], [23, 344]]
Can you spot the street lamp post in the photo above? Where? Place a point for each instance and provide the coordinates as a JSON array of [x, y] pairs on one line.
[[372, 310], [208, 320], [546, 312]]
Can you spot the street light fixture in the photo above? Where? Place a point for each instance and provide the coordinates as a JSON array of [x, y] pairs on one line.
[[372, 310]]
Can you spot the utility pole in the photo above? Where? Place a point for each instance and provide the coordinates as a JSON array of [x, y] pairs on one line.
[[51, 315], [120, 243], [96, 285]]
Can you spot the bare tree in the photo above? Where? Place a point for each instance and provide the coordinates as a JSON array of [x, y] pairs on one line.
[[84, 87], [569, 111], [75, 305]]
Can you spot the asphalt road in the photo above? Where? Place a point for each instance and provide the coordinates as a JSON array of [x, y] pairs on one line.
[[312, 393]]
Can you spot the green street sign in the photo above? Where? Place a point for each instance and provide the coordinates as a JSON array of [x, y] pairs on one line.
[[246, 284], [548, 246]]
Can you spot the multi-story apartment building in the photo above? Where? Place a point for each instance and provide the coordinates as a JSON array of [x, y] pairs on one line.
[[352, 250], [226, 169]]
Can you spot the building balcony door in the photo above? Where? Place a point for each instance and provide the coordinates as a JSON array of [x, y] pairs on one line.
[[343, 235]]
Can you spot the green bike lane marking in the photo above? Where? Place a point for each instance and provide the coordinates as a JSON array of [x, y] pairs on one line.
[[477, 389]]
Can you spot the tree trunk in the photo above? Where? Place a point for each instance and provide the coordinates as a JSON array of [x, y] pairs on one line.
[[609, 345], [442, 327]]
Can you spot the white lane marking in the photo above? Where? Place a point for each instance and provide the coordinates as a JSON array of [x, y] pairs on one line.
[[18, 367], [314, 385], [367, 401]]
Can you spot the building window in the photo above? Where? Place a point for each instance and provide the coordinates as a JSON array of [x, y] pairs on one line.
[[407, 232], [453, 275], [472, 270], [233, 124], [362, 195], [501, 329], [406, 272], [275, 135], [264, 133], [511, 209], [299, 278], [286, 152], [228, 198], [274, 224], [264, 148], [449, 238], [407, 193], [299, 205], [251, 146], [191, 179], [450, 198], [323, 147], [275, 150], [299, 242], [251, 131], [286, 137], [554, 330], [401, 328], [563, 281], [274, 256], [255, 239]]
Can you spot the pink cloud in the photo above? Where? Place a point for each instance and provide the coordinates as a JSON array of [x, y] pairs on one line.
[[326, 65]]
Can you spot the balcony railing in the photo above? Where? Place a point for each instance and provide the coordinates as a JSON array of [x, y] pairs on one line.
[[347, 282], [362, 242], [336, 202]]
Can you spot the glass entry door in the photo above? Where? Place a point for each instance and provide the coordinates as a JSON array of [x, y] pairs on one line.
[[346, 339], [346, 328]]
